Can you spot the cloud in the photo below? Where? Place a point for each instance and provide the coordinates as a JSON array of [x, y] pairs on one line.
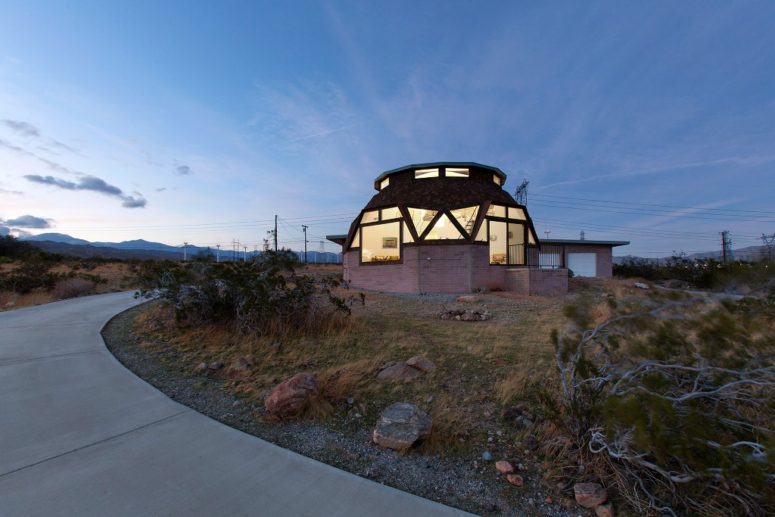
[[161, 189], [11, 192], [183, 170], [51, 164], [29, 221], [4, 230], [21, 127], [93, 184]]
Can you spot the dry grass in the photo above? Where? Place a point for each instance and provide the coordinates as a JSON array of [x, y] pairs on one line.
[[116, 276]]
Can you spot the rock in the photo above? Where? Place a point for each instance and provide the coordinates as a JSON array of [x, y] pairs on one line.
[[292, 396], [401, 425], [641, 285], [421, 363], [217, 365], [549, 499], [515, 479], [240, 366], [486, 456], [201, 367], [468, 298], [590, 495], [504, 467], [399, 372], [605, 510]]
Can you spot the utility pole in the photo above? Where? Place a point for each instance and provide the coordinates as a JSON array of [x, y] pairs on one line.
[[275, 233], [726, 247], [266, 244], [304, 228], [217, 252], [244, 254], [547, 232], [581, 235], [185, 245]]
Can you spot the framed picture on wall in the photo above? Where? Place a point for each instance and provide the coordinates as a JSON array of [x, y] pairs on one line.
[[389, 242]]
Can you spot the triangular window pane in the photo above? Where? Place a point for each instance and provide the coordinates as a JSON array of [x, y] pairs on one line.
[[443, 230], [466, 217], [356, 239], [481, 235], [420, 218], [407, 234]]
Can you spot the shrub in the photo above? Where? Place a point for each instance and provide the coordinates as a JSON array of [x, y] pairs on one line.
[[30, 275], [674, 406], [72, 288], [264, 296]]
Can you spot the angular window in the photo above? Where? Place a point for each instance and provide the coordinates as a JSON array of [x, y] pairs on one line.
[[456, 173], [426, 173], [384, 183], [356, 243], [497, 211], [407, 234], [370, 217], [531, 239], [466, 217], [517, 213], [498, 242], [421, 218], [390, 213], [481, 235], [496, 179], [380, 242], [443, 229]]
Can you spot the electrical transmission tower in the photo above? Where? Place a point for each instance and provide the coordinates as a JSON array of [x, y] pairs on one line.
[[521, 193], [304, 228], [726, 247], [769, 244]]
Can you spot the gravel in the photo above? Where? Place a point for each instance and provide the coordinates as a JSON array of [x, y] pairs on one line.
[[467, 484]]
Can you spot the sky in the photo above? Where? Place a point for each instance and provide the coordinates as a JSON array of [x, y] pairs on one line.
[[652, 122]]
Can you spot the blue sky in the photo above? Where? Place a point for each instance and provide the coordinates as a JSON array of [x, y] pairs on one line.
[[652, 122]]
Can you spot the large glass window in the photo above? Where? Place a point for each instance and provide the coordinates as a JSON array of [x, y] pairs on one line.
[[381, 242], [356, 239], [426, 173], [481, 235], [451, 172], [516, 243], [421, 218], [496, 179], [384, 183], [498, 242], [466, 217], [443, 229]]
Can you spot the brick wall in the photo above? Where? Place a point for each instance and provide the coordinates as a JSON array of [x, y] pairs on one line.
[[537, 282], [396, 278]]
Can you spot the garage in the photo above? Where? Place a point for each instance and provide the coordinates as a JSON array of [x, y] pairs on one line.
[[583, 264]]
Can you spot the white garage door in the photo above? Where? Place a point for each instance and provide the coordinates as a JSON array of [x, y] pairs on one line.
[[583, 264]]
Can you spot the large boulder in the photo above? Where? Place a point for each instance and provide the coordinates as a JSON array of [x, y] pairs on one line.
[[401, 425], [590, 495], [292, 396]]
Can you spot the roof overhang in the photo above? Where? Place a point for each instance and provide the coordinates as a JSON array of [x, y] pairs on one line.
[[432, 165], [338, 238], [578, 242]]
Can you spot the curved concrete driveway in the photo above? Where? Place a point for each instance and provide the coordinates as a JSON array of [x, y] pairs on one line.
[[81, 435]]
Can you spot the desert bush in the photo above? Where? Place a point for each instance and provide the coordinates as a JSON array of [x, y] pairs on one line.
[[32, 274], [264, 297], [673, 404], [702, 273], [72, 288]]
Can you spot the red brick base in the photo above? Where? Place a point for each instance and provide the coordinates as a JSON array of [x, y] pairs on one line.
[[455, 268]]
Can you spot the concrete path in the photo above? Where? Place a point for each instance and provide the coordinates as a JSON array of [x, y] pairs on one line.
[[81, 435]]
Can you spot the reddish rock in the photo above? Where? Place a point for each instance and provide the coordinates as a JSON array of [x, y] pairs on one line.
[[504, 467], [292, 396], [515, 479], [605, 510], [549, 499], [421, 363], [590, 495], [468, 298], [399, 372]]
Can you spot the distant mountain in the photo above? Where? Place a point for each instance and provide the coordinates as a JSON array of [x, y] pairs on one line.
[[143, 250], [56, 237]]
